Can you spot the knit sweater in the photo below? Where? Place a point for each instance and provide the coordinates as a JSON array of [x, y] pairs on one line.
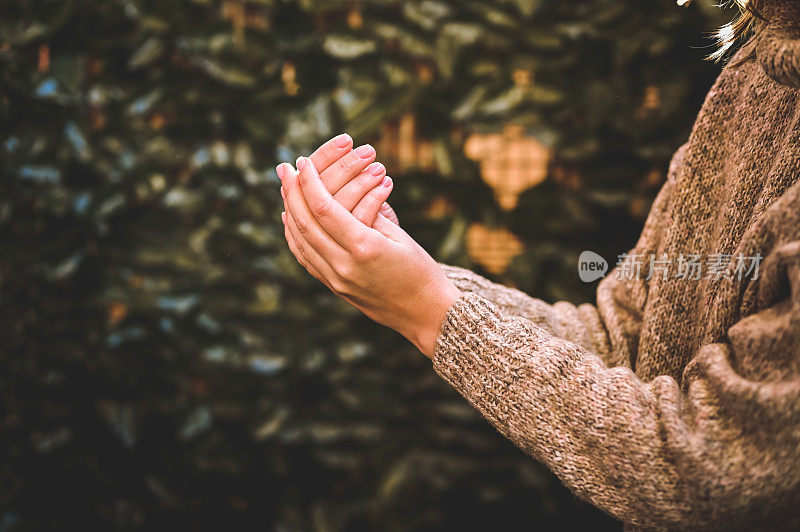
[[675, 401]]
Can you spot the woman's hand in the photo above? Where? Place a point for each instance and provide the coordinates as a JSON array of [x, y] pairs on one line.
[[354, 179], [362, 188], [380, 270]]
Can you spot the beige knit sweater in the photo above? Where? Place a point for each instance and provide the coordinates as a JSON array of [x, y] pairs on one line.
[[674, 403]]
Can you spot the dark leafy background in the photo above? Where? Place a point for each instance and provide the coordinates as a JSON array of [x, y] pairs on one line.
[[164, 363]]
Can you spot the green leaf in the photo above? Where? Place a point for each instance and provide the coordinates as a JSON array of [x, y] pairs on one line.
[[347, 47]]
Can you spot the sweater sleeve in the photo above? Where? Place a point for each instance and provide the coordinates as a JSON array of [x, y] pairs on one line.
[[580, 324], [725, 451]]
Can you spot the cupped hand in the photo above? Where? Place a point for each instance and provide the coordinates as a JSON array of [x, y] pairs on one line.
[[354, 178], [360, 185], [380, 270]]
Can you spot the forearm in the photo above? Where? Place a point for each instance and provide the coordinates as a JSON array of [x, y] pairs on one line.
[[580, 324], [641, 451]]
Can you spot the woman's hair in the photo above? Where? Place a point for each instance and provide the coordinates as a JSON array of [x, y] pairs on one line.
[[729, 34]]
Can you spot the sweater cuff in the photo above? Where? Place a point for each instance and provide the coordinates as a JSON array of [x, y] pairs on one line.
[[466, 355], [457, 344], [460, 324]]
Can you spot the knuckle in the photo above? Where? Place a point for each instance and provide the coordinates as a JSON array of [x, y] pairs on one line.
[[363, 251], [324, 154], [340, 285], [345, 164], [366, 181], [346, 272], [302, 226], [375, 196], [300, 247], [320, 208], [369, 254], [302, 179], [301, 260], [360, 252], [361, 181]]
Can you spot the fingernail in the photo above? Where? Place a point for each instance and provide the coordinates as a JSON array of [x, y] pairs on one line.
[[283, 194], [365, 152], [376, 169], [387, 181], [342, 141], [301, 163], [283, 217], [279, 170]]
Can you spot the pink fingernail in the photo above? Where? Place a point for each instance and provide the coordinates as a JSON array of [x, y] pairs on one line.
[[342, 141], [283, 217], [283, 194], [376, 169], [279, 170], [365, 152], [301, 163], [387, 181]]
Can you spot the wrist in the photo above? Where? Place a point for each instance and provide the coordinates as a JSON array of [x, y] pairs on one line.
[[441, 299]]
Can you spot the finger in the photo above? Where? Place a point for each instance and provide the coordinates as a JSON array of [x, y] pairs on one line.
[[388, 213], [331, 151], [290, 238], [298, 250], [352, 192], [347, 167], [288, 226], [311, 269], [304, 224], [292, 246], [326, 215], [368, 208], [389, 229], [300, 259], [308, 266], [304, 253]]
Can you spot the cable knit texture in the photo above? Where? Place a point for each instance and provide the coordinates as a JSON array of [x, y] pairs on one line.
[[673, 403]]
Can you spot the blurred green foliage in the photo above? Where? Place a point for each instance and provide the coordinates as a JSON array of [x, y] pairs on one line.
[[165, 363]]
